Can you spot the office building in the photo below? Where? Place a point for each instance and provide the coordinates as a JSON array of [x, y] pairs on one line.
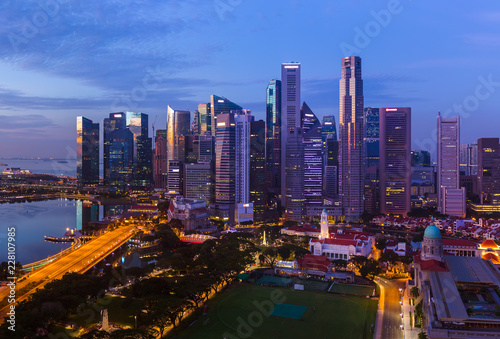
[[371, 149], [242, 149], [118, 153], [142, 173], [198, 182], [258, 168], [204, 119], [292, 150], [175, 183], [330, 156], [328, 128], [488, 171], [351, 103], [395, 162], [87, 153], [219, 105], [448, 155], [160, 159], [178, 123], [206, 148], [420, 158], [188, 148], [313, 154], [468, 159], [273, 143]]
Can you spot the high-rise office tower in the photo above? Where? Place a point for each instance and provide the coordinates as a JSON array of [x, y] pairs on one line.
[[178, 123], [188, 148], [273, 142], [313, 157], [160, 159], [175, 171], [206, 147], [198, 182], [204, 119], [292, 150], [195, 124], [488, 170], [420, 158], [87, 153], [395, 162], [118, 152], [242, 149], [225, 168], [330, 156], [142, 175], [468, 159], [351, 155], [328, 128], [371, 149], [448, 155], [219, 105], [257, 168]]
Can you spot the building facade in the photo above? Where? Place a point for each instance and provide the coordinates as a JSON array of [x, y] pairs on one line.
[[87, 153], [273, 143], [395, 162], [448, 155], [489, 171], [258, 168], [351, 131]]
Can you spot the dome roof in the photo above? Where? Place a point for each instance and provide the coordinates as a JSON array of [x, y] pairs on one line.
[[432, 232]]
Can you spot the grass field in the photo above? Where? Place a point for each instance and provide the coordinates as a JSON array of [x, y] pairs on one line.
[[352, 289], [247, 307]]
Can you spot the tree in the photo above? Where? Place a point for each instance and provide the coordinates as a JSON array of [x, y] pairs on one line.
[[270, 255], [414, 292], [369, 269], [422, 335], [341, 263], [95, 334], [419, 237], [380, 244], [284, 252]]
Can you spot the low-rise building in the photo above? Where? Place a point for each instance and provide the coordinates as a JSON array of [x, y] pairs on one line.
[[192, 213]]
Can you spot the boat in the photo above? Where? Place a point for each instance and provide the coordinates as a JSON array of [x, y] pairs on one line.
[[62, 161], [58, 239], [2, 164]]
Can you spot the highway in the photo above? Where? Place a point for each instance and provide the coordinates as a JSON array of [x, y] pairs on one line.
[[79, 260], [389, 326]]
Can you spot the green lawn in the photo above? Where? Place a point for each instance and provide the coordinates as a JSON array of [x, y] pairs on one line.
[[352, 289], [326, 316]]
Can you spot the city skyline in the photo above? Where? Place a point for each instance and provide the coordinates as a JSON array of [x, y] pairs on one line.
[[71, 63]]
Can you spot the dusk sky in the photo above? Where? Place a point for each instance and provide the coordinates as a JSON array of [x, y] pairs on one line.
[[61, 58]]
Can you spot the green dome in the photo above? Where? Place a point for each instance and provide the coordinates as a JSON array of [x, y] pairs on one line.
[[432, 232]]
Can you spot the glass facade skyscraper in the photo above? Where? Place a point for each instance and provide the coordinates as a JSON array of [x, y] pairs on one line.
[[313, 154], [292, 149], [219, 105], [273, 142], [87, 152], [257, 168], [371, 145], [351, 157], [395, 162], [448, 154]]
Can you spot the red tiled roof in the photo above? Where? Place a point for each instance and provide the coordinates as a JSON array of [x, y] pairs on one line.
[[488, 243], [458, 243], [492, 257], [315, 262], [433, 265]]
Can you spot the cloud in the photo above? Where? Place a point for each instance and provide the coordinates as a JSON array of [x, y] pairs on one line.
[[29, 123]]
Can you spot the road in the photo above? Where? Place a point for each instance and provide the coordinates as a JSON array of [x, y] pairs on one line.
[[390, 309], [79, 260]]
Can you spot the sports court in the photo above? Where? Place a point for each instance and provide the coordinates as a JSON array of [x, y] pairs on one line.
[[288, 311], [269, 280]]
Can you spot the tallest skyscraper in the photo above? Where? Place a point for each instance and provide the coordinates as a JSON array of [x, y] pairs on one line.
[[351, 153]]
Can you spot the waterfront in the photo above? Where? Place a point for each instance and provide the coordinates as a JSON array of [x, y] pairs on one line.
[[60, 167], [32, 222]]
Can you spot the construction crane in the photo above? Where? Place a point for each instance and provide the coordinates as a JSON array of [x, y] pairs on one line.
[[154, 122]]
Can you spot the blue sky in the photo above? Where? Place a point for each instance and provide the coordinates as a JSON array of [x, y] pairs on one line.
[[63, 58]]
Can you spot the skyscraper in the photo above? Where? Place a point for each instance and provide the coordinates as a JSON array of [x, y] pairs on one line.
[[273, 142], [371, 145], [292, 150], [468, 159], [351, 138], [178, 123], [313, 154], [87, 152], [225, 168], [257, 168], [160, 159], [204, 119], [395, 162], [219, 105], [242, 149], [118, 152], [488, 171], [448, 155], [198, 182], [328, 128], [330, 156]]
